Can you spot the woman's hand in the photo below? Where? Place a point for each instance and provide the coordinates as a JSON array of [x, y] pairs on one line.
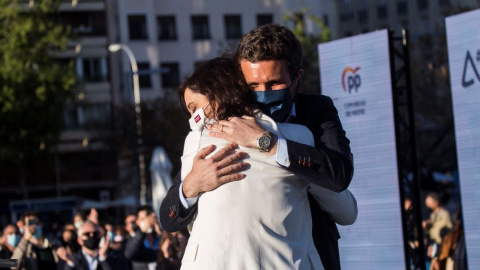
[[244, 131]]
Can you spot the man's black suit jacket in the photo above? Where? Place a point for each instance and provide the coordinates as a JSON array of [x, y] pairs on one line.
[[113, 262], [329, 164]]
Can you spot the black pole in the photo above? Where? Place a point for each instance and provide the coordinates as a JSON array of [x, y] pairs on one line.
[[417, 202], [402, 145]]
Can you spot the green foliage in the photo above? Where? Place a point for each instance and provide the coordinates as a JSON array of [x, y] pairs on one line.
[[33, 84], [310, 82]]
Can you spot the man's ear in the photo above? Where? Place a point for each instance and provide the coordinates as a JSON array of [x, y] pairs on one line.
[[296, 84]]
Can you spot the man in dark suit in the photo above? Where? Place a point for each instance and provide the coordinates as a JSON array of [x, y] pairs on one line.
[[92, 256], [270, 58]]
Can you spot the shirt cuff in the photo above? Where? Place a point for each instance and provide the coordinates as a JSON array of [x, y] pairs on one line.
[[186, 202], [101, 259], [282, 153]]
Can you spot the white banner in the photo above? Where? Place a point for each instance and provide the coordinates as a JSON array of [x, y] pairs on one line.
[[355, 73], [463, 36]]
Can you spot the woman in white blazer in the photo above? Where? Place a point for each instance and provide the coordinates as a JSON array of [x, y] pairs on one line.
[[264, 220]]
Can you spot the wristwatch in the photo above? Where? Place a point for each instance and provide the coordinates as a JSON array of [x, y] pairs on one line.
[[264, 142]]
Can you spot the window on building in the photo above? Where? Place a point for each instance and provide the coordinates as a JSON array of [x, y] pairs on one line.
[[86, 116], [402, 7], [95, 115], [137, 27], [346, 13], [264, 19], [233, 26], [200, 27], [91, 69], [382, 10], [170, 75], [362, 11], [426, 27], [167, 29], [85, 23], [422, 4], [144, 75], [325, 20]]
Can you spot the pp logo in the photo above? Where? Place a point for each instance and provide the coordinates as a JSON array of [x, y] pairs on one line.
[[351, 80], [470, 65]]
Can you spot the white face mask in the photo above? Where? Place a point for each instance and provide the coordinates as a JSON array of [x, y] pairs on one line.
[[198, 120]]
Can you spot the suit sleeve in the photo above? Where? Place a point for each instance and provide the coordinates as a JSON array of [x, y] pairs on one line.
[[330, 163], [173, 216]]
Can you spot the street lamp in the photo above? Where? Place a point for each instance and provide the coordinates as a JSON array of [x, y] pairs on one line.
[[138, 117]]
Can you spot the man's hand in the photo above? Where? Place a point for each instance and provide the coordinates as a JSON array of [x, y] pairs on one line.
[[27, 233], [93, 216], [208, 174], [166, 248], [102, 251], [244, 131]]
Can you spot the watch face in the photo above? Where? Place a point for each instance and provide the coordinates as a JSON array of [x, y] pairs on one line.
[[264, 142]]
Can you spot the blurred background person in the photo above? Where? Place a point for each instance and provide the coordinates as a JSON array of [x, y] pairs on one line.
[[93, 215], [142, 249], [435, 227], [78, 220], [8, 241], [34, 251], [68, 246], [168, 252], [20, 226], [130, 226], [453, 255], [92, 255]]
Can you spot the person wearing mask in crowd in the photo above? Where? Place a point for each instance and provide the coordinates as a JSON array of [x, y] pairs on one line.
[[78, 220], [92, 255], [9, 241], [130, 221], [270, 58], [34, 252], [142, 249]]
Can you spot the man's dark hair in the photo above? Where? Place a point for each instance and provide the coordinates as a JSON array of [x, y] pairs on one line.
[[146, 208], [271, 42], [219, 79], [30, 213]]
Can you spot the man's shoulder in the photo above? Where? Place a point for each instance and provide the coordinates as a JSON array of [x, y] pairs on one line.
[[313, 104], [304, 98]]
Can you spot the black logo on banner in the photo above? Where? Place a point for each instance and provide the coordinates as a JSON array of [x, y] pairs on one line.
[[470, 65]]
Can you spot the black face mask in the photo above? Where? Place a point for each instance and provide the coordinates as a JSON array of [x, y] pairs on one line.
[[92, 242]]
